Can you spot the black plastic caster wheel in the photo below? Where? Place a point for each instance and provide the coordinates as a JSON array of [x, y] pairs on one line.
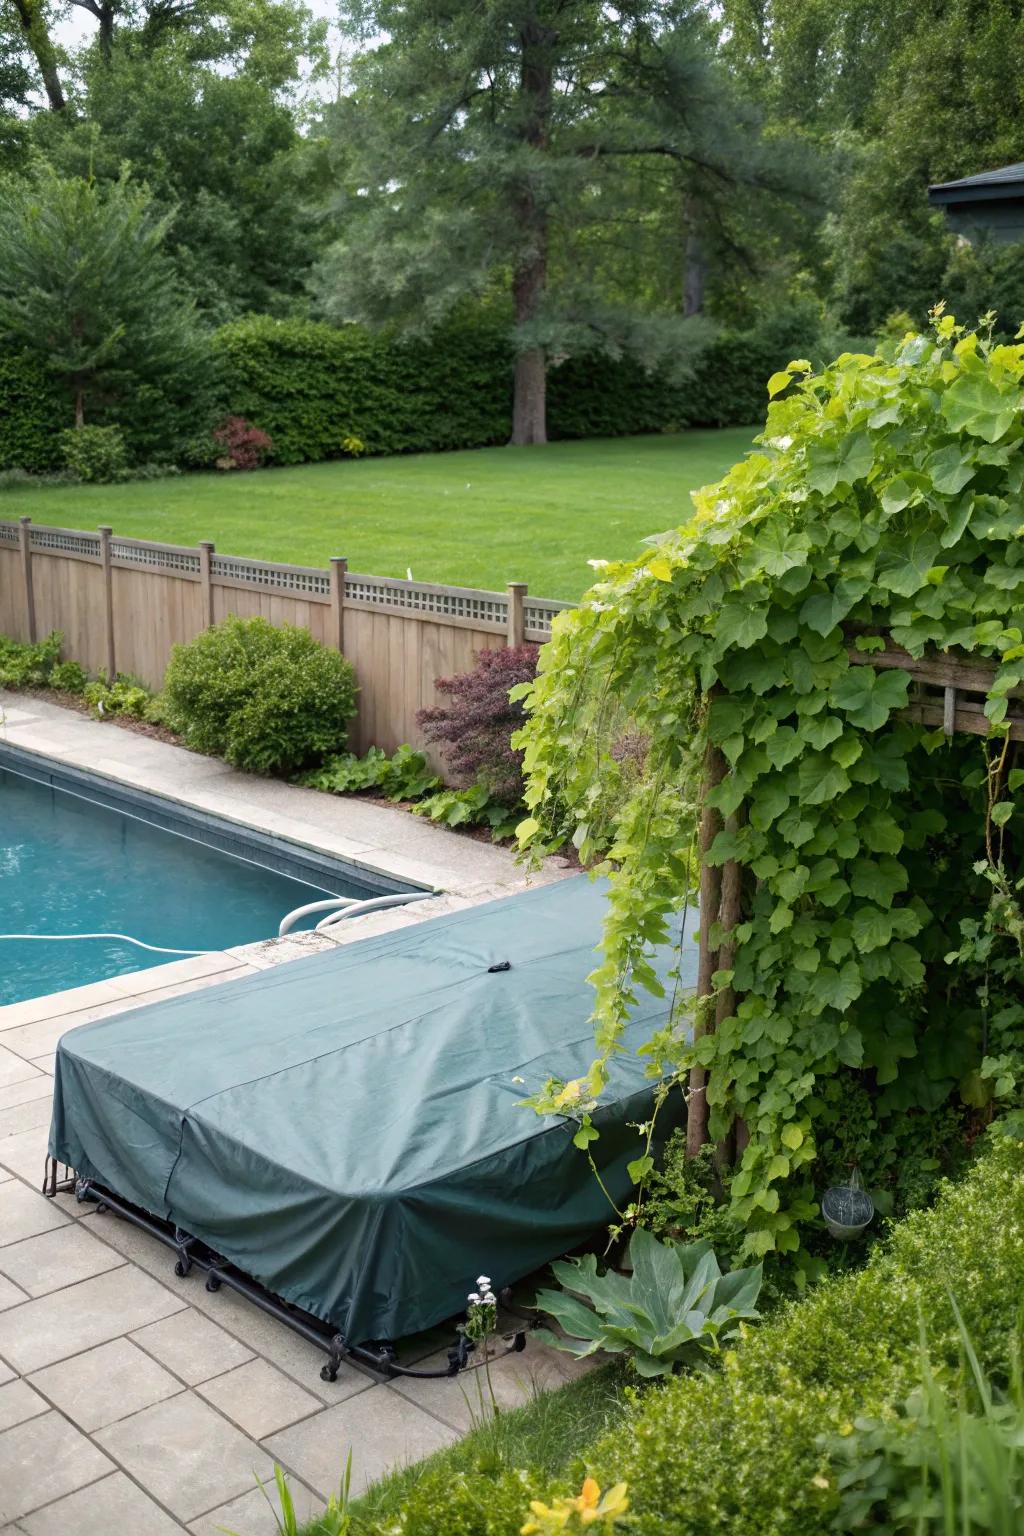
[[328, 1373], [180, 1269], [212, 1283]]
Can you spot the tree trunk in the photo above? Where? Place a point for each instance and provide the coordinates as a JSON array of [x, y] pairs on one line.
[[529, 282], [106, 16], [694, 269], [79, 407], [38, 38]]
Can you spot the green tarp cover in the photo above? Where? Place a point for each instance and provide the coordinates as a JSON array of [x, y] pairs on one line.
[[346, 1128]]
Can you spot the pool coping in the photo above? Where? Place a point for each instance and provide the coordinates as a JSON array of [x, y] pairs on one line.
[[378, 844], [278, 854]]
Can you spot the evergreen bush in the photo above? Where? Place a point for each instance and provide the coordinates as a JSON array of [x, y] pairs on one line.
[[267, 699]]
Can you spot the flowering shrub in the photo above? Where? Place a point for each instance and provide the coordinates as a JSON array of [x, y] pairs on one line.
[[243, 445], [474, 730]]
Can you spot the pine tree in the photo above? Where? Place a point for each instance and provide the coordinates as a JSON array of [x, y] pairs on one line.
[[574, 159], [86, 286]]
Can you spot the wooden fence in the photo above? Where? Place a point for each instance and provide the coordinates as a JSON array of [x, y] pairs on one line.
[[122, 604]]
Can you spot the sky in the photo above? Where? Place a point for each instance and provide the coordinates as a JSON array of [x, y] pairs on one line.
[[75, 25]]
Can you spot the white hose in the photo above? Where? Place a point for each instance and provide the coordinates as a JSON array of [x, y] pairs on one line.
[[123, 937]]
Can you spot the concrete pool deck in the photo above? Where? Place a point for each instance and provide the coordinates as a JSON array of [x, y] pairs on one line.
[[130, 1398]]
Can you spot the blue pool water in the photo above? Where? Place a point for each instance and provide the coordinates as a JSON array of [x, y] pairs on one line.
[[68, 865]]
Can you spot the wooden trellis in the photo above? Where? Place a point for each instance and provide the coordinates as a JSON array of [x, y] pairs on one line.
[[948, 691]]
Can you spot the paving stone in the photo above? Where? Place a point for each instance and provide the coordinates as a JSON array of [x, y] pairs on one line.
[[6, 1374], [253, 1513], [25, 1117], [106, 1384], [55, 1259], [285, 1349], [186, 1456], [113, 1505], [382, 1430], [10, 1295], [25, 1154], [44, 1459], [18, 1402], [516, 1379], [67, 1322], [24, 1091], [24, 1213], [192, 1346], [259, 1398], [56, 1004], [13, 1069]]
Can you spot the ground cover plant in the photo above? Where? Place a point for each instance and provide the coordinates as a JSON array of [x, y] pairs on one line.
[[750, 1446], [477, 519], [877, 945]]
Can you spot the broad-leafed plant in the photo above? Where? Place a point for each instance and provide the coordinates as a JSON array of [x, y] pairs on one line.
[[675, 1308]]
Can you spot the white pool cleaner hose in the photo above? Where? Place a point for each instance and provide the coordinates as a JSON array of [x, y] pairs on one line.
[[124, 938]]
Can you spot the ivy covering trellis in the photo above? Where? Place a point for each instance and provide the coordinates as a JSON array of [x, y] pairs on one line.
[[802, 699]]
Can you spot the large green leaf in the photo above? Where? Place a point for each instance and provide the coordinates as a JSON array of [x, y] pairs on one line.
[[905, 570], [977, 405], [841, 463]]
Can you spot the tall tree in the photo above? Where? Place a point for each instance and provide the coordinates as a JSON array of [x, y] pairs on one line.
[[510, 146], [87, 288]]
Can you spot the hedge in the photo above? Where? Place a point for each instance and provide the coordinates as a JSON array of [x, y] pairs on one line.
[[32, 415], [312, 386], [736, 1452]]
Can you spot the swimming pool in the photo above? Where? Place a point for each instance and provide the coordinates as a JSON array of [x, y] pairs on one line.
[[77, 859]]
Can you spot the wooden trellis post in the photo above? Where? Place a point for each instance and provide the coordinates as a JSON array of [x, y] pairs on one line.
[[943, 687]]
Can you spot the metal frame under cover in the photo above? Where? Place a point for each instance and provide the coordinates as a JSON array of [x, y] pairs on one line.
[[191, 1253]]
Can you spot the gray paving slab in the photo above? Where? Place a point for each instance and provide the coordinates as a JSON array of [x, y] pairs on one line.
[[259, 1398], [24, 1092], [24, 1212], [6, 1374], [25, 1117], [252, 1514], [516, 1379], [55, 1259], [43, 1459], [192, 1346], [25, 1154], [19, 1402], [13, 1069], [67, 1322], [10, 1295], [112, 1507], [186, 1456], [105, 1384], [382, 1430]]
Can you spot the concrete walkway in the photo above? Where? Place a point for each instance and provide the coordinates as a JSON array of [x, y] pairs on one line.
[[134, 1400]]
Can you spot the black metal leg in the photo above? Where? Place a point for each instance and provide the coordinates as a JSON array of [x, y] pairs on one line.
[[336, 1351]]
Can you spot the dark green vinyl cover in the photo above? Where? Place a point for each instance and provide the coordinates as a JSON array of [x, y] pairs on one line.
[[346, 1128]]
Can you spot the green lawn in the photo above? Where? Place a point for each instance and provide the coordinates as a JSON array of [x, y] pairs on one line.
[[480, 518]]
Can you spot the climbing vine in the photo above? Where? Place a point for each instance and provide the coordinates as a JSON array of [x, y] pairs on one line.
[[879, 880]]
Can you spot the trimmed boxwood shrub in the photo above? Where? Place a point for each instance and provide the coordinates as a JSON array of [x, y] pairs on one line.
[[267, 699], [737, 1452]]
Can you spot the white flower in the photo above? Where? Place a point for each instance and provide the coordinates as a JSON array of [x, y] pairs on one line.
[[484, 1282], [597, 565], [474, 1298], [491, 1299]]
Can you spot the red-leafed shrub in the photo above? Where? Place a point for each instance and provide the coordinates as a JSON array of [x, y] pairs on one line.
[[474, 729], [242, 445]]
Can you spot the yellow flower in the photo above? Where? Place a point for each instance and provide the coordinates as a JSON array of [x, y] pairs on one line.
[[569, 1093]]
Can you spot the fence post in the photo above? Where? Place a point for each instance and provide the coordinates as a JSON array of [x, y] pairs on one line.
[[108, 601], [339, 570], [516, 633], [26, 571], [206, 548]]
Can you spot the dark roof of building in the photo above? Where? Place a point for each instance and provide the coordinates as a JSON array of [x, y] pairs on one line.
[[1006, 182]]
